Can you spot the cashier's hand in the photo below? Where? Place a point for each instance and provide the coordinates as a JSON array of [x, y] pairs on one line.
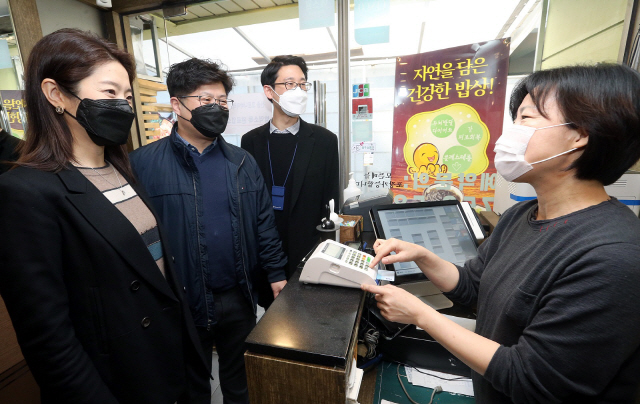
[[277, 287], [404, 252], [396, 304]]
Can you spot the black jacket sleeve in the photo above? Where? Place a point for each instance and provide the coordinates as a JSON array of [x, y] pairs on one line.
[[32, 285], [247, 144]]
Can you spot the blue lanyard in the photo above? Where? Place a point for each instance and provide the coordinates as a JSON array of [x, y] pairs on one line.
[[277, 193], [273, 180]]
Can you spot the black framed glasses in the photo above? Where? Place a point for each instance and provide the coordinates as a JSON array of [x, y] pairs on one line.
[[207, 100], [292, 85]]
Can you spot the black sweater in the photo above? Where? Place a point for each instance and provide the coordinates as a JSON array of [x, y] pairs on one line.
[[283, 147], [562, 297]]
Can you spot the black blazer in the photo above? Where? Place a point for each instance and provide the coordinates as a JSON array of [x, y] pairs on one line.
[[96, 320], [8, 152], [315, 182]]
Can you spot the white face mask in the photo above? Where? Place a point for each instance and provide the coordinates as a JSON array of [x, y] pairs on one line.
[[293, 102], [510, 149]]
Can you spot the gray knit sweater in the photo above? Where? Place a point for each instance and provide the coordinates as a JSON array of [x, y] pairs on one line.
[[562, 297]]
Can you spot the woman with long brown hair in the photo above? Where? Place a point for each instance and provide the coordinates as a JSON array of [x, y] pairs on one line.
[[85, 275]]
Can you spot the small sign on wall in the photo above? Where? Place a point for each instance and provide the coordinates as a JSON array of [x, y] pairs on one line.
[[361, 117], [363, 147], [361, 90], [368, 159], [12, 103]]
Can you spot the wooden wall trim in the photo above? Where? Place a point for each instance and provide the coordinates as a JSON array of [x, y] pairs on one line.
[[137, 138], [117, 31], [26, 24], [10, 353], [17, 386], [113, 28]]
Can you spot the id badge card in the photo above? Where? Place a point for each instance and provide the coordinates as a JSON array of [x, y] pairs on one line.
[[277, 197]]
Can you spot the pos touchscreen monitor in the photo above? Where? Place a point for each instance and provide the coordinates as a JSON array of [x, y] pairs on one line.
[[440, 226]]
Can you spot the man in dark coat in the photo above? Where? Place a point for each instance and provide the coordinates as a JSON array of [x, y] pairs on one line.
[[298, 160], [211, 197]]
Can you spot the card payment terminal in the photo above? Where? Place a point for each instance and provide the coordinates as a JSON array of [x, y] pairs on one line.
[[333, 263]]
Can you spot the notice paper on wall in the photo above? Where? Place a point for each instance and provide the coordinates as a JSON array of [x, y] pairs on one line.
[[430, 378], [249, 111], [368, 159], [362, 131]]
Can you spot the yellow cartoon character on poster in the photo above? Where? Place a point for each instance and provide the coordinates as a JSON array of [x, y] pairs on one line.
[[452, 140], [426, 158]]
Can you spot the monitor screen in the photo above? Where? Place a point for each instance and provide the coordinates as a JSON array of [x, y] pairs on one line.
[[438, 226]]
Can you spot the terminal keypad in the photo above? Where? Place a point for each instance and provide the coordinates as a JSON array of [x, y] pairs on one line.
[[358, 259]]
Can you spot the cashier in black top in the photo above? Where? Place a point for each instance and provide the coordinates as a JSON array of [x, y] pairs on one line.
[[557, 284]]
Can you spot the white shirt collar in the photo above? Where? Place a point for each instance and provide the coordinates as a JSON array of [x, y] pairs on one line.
[[293, 129]]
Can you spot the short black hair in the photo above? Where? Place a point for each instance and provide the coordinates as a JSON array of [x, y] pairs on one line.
[[603, 102], [270, 73], [186, 77]]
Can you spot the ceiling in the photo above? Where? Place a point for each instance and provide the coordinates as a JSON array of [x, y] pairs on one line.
[[240, 33]]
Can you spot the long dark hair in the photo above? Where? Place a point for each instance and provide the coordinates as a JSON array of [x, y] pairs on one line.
[[66, 56]]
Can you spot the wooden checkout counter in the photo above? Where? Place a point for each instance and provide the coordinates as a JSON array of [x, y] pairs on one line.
[[304, 347]]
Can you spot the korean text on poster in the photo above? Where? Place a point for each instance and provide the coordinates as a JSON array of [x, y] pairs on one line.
[[448, 114]]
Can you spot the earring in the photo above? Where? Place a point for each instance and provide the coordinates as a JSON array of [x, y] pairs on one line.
[[60, 109]]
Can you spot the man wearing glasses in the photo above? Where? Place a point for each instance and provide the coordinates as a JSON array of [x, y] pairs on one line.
[[212, 199], [298, 160]]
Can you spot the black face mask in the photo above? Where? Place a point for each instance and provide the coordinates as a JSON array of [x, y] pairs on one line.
[[210, 120], [107, 121]]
